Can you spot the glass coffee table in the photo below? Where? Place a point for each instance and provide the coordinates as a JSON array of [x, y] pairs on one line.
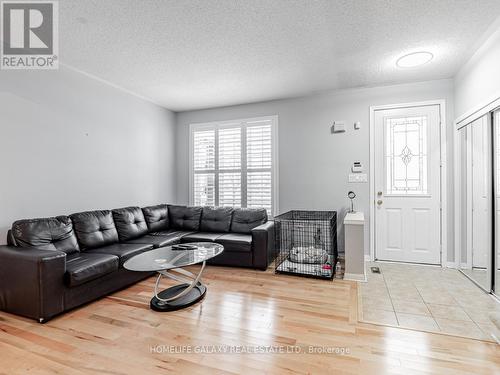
[[168, 261]]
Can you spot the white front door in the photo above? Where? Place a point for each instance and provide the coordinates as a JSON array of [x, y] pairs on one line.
[[407, 184]]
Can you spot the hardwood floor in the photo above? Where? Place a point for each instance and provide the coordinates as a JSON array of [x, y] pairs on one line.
[[243, 309]]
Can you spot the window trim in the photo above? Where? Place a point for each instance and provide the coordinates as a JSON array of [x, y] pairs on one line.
[[237, 123]]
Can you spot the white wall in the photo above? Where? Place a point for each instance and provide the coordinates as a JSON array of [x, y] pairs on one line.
[[71, 143], [478, 82], [314, 164]]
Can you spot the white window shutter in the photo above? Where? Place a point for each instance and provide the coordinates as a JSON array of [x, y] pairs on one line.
[[259, 146], [204, 189], [259, 165], [230, 148], [259, 190], [204, 150], [233, 164], [230, 189], [204, 167]]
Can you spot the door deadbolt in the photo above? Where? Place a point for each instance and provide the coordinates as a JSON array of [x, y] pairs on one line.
[[379, 202]]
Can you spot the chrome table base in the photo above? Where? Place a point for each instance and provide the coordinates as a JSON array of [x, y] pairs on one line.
[[179, 296]]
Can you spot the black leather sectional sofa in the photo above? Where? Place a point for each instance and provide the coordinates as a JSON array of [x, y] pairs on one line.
[[51, 265]]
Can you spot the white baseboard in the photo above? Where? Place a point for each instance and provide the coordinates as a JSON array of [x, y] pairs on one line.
[[451, 265], [355, 277]]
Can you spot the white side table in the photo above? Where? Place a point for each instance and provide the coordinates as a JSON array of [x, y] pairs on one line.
[[354, 234]]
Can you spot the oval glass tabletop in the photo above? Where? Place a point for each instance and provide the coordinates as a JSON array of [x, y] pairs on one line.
[[166, 258]]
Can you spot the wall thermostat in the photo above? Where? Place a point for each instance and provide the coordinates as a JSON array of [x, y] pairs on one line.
[[357, 167]]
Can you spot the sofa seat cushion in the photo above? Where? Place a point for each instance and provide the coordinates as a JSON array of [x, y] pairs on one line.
[[236, 242], [201, 237], [124, 251], [174, 234], [155, 240], [84, 267]]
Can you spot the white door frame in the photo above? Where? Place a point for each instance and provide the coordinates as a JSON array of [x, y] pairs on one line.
[[444, 213]]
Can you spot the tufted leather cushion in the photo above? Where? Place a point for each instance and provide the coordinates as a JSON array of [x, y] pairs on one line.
[[216, 219], [169, 237], [124, 251], [11, 241], [201, 237], [84, 267], [186, 218], [156, 217], [53, 233], [94, 228], [130, 223], [155, 240], [236, 242], [245, 219]]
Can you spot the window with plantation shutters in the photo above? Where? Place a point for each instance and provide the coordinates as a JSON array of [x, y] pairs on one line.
[[259, 165], [232, 163]]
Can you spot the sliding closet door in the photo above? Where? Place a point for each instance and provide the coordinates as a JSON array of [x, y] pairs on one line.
[[482, 196], [476, 189], [496, 146]]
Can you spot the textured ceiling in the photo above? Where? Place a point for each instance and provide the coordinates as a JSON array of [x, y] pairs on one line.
[[196, 54]]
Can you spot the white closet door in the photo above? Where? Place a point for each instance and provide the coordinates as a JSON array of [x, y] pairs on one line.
[[496, 155], [482, 202]]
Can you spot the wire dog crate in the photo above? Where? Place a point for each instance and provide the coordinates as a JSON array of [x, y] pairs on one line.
[[306, 243]]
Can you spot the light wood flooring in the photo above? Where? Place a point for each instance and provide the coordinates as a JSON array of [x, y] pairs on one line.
[[243, 308]]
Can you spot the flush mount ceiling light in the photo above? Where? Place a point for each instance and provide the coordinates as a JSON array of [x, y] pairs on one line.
[[414, 59]]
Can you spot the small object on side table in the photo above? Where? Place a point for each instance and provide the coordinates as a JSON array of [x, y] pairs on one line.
[[351, 195]]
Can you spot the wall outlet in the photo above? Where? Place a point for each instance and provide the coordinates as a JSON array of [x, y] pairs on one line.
[[358, 177]]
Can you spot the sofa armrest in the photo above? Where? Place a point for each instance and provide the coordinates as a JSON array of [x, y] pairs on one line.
[[263, 245], [32, 281]]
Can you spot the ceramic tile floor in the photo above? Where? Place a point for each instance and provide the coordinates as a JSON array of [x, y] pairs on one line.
[[427, 298], [479, 275]]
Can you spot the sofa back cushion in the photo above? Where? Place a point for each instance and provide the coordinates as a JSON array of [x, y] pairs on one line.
[[156, 217], [94, 228], [11, 241], [186, 218], [216, 219], [245, 219], [130, 223], [52, 233]]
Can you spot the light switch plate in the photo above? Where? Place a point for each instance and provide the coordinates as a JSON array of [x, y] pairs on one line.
[[358, 177]]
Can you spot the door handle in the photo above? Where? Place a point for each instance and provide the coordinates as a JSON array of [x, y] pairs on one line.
[[379, 202], [379, 193]]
